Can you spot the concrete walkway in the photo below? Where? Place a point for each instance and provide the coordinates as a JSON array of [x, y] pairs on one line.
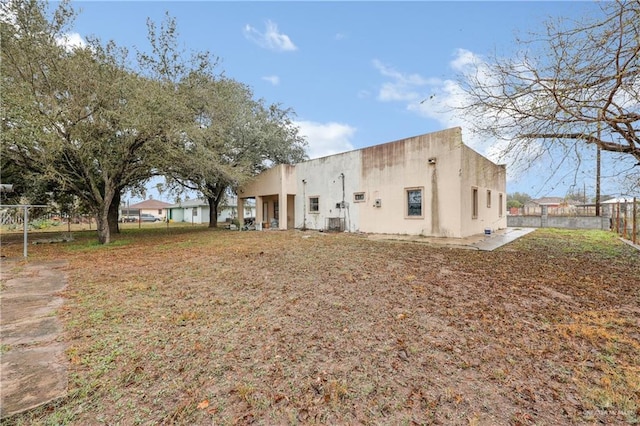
[[500, 238], [33, 360], [480, 242]]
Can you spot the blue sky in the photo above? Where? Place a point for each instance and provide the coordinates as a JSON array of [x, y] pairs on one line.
[[355, 72]]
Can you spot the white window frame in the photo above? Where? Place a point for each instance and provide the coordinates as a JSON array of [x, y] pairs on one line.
[[317, 209], [474, 202], [406, 202]]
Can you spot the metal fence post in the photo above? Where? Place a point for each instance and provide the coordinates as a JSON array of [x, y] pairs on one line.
[[635, 220], [25, 226]]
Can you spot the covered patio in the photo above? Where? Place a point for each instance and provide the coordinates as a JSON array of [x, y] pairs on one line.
[[274, 196]]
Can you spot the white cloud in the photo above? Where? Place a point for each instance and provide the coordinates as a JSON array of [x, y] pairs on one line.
[[71, 41], [465, 59], [273, 79], [432, 98], [326, 138], [270, 39], [408, 79], [442, 100], [438, 99], [339, 36], [401, 87]]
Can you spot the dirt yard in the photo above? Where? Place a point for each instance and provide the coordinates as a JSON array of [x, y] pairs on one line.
[[191, 326]]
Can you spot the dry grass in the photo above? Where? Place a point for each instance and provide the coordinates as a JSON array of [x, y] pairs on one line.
[[192, 326]]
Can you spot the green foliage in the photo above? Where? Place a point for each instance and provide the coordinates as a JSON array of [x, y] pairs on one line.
[[81, 124], [517, 199], [514, 204], [232, 138], [43, 224], [79, 118], [577, 196]]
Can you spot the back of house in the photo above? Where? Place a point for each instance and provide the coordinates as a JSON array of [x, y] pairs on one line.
[[431, 185]]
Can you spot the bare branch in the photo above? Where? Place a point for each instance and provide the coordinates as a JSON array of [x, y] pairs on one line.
[[578, 80]]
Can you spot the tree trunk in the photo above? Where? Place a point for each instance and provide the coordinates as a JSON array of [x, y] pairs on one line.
[[102, 214], [102, 223], [112, 218], [213, 211]]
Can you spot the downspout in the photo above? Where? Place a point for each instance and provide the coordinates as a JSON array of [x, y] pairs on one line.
[[345, 206], [304, 205]]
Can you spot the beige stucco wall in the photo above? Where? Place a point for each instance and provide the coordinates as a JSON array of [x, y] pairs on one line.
[[427, 162], [323, 178], [270, 182], [478, 172], [438, 164], [384, 172]]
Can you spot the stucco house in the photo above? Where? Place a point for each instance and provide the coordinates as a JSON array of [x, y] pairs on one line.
[[197, 211], [554, 205], [431, 185]]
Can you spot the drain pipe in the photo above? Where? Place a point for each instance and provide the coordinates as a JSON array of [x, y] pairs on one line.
[[345, 208], [304, 205]]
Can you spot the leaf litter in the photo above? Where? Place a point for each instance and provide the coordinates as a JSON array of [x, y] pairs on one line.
[[308, 328]]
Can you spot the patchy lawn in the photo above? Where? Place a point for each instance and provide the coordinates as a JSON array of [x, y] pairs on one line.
[[193, 326]]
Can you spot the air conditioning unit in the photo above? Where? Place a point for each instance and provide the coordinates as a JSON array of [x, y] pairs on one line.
[[334, 224]]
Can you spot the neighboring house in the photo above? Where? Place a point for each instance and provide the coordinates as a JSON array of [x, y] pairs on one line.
[[623, 213], [197, 211], [431, 185], [621, 200], [154, 207], [554, 205], [620, 204]]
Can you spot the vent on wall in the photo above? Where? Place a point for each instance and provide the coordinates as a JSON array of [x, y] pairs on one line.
[[378, 203]]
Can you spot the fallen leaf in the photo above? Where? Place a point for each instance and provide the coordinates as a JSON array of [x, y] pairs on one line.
[[204, 404]]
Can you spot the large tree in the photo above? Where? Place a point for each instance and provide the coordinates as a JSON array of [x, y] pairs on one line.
[[573, 88], [80, 117], [233, 137]]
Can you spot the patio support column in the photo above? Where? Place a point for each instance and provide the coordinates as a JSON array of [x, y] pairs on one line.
[[282, 207], [258, 212]]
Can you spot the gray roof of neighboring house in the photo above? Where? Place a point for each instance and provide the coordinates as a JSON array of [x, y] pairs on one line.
[[544, 201], [150, 204], [622, 200], [199, 202]]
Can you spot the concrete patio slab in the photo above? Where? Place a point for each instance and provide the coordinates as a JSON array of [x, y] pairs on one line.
[[500, 238], [482, 242]]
